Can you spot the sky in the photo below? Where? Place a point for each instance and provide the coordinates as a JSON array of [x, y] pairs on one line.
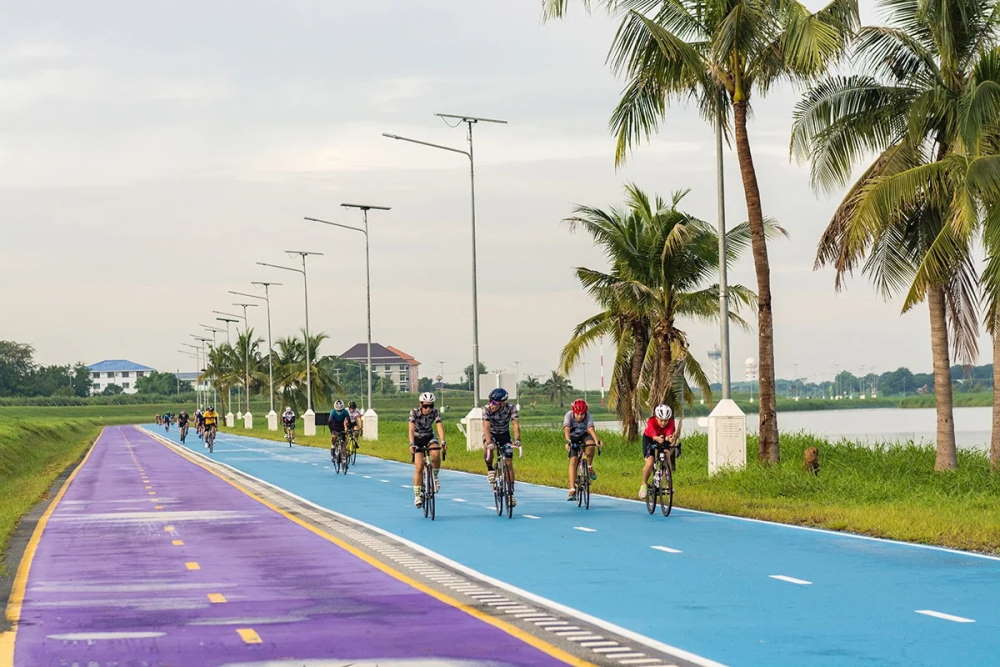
[[151, 153]]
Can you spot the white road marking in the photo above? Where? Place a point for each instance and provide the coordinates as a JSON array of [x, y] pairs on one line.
[[384, 481], [530, 516], [791, 580], [947, 617], [367, 476], [666, 549], [640, 661], [629, 655], [585, 529], [459, 500], [404, 486], [601, 643], [91, 636]]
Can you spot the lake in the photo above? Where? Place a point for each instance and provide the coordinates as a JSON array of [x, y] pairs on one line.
[[873, 425]]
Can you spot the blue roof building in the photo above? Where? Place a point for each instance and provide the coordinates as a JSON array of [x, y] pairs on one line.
[[121, 372]]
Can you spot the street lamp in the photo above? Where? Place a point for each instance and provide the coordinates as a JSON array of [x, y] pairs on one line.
[[228, 321], [204, 356], [239, 415], [469, 121], [195, 357], [309, 418], [246, 361], [272, 416], [215, 396], [369, 434]]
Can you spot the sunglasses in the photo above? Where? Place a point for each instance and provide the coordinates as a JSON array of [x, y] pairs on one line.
[[426, 405]]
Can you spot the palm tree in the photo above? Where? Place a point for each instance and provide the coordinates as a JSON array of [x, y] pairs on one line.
[[556, 387], [720, 52], [927, 106], [530, 382], [661, 258], [290, 370]]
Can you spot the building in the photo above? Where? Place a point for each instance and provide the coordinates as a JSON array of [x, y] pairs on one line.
[[388, 362], [192, 377], [121, 372]]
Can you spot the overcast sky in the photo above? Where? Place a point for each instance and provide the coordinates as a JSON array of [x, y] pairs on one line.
[[151, 152]]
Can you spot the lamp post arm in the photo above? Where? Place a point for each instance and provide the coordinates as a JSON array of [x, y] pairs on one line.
[[427, 143], [337, 224]]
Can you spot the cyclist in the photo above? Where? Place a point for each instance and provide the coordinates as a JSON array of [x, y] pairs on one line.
[[357, 422], [578, 429], [660, 429], [182, 423], [166, 422], [498, 418], [199, 423], [211, 419], [288, 421], [420, 430], [337, 423]]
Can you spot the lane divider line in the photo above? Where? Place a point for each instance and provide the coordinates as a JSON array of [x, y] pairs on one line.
[[249, 636], [530, 516], [216, 598], [944, 616], [177, 543], [585, 529], [664, 549], [192, 565], [791, 580]]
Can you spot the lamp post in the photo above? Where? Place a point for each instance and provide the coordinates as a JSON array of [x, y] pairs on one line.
[[189, 354], [197, 362], [247, 416], [309, 418], [239, 414], [272, 416], [204, 356], [469, 121], [214, 330], [370, 417], [228, 321]]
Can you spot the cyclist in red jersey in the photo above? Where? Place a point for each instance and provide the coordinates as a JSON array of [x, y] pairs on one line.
[[660, 428]]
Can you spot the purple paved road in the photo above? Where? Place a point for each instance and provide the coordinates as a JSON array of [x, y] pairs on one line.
[[108, 584]]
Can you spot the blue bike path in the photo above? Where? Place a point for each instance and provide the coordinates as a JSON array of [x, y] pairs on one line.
[[732, 590]]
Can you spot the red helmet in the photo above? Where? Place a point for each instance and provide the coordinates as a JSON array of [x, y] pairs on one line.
[[580, 406]]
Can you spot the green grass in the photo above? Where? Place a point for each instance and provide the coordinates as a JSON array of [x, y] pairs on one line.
[[887, 492]]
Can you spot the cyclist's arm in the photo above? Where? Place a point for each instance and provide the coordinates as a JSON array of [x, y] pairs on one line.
[[675, 436], [516, 423], [566, 435], [592, 432], [409, 433], [440, 430]]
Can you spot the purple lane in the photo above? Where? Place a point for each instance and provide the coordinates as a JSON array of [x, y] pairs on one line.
[[151, 560]]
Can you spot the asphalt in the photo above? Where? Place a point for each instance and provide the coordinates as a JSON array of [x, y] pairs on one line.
[[732, 590], [149, 559]]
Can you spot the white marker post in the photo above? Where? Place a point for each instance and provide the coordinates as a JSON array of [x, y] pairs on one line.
[[727, 437]]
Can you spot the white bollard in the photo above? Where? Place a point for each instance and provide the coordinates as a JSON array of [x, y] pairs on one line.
[[230, 420], [471, 426], [247, 420], [239, 414], [272, 421], [727, 437], [309, 423], [370, 425]]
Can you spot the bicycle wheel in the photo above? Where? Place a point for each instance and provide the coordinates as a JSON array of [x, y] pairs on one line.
[[666, 489], [586, 485], [429, 495], [499, 487], [509, 474], [582, 477], [652, 491], [345, 456], [354, 449]]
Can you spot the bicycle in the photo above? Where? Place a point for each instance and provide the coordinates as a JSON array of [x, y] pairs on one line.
[[210, 438], [338, 453], [184, 432], [503, 487], [290, 434], [583, 476], [429, 493], [354, 446], [661, 483]]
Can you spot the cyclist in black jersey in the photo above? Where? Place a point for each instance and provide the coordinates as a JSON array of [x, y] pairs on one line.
[[499, 418], [422, 423]]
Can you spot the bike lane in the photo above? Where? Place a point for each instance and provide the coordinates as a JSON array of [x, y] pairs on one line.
[[149, 559], [732, 590]]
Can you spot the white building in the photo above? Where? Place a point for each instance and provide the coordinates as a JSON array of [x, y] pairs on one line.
[[121, 372]]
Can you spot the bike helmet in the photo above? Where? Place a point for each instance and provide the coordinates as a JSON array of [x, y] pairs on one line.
[[427, 398], [338, 404], [498, 395], [580, 406], [210, 408], [353, 405], [663, 411], [287, 409]]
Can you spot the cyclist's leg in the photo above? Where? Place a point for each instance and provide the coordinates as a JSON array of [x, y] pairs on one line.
[[508, 453], [648, 453], [418, 473], [488, 459], [574, 461]]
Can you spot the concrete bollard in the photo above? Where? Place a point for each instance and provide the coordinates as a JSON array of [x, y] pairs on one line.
[[471, 426], [727, 437], [230, 420], [272, 421], [370, 425], [247, 420], [309, 423]]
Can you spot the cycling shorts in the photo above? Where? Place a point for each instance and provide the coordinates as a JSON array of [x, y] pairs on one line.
[[502, 443], [421, 441], [576, 445], [649, 446]]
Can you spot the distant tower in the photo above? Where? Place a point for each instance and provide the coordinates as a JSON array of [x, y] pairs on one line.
[[716, 356], [751, 374]]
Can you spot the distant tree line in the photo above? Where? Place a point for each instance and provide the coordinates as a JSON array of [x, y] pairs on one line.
[[21, 376]]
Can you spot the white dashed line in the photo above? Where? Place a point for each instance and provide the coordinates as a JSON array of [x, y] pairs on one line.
[[947, 617], [596, 644], [366, 476], [404, 486], [585, 529], [530, 516], [668, 550], [791, 580], [459, 500]]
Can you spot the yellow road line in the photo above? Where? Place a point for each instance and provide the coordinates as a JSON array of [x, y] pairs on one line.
[[158, 507], [20, 583], [512, 630], [177, 543], [169, 529], [216, 598], [191, 565], [249, 636]]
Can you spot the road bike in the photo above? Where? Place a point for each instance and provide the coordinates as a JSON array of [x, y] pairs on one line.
[[503, 485], [200, 428], [210, 438], [290, 435], [338, 453], [583, 471], [660, 488], [429, 491], [353, 445], [184, 432]]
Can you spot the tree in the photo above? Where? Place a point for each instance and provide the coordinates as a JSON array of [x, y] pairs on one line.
[[112, 390], [425, 384], [530, 382], [720, 52], [661, 259], [927, 106], [556, 387], [290, 371], [81, 381], [467, 374], [166, 384], [16, 365]]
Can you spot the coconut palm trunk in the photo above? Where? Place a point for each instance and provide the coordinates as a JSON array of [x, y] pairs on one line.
[[768, 448], [995, 433], [946, 458]]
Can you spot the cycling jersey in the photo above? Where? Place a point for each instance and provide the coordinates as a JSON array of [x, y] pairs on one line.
[[499, 420], [578, 427], [211, 418], [654, 430], [288, 419], [199, 417], [423, 424], [354, 415], [182, 419], [337, 421]]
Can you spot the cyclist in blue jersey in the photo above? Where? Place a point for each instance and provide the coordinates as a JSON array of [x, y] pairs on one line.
[[499, 418], [337, 422]]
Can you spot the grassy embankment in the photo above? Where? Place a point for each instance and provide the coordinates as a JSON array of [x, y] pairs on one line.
[[885, 492]]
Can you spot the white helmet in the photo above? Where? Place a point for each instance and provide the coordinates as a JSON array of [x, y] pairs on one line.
[[287, 409], [427, 397], [663, 411], [338, 404]]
